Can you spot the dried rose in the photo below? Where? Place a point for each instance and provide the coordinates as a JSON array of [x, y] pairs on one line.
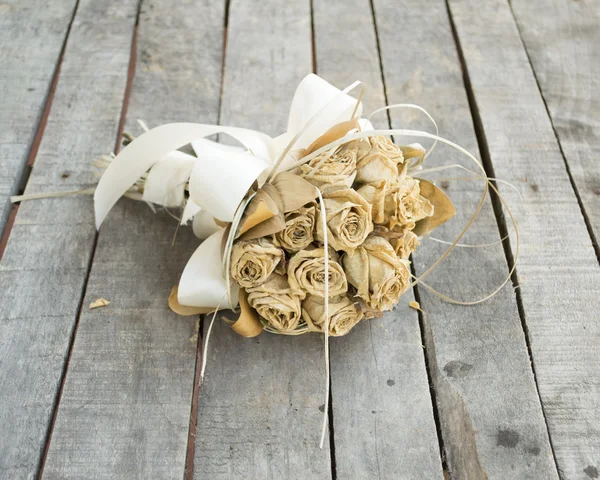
[[404, 204], [299, 229], [375, 193], [276, 303], [377, 273], [386, 147], [349, 219], [328, 170], [405, 244], [343, 314], [306, 273], [376, 167], [253, 261]]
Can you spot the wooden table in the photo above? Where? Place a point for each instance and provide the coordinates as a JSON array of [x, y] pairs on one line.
[[508, 389]]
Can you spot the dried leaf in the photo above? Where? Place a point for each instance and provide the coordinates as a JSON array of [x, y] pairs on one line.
[[295, 192], [101, 302], [261, 208], [247, 324], [443, 208], [268, 227], [415, 305], [334, 133], [414, 150], [184, 310]]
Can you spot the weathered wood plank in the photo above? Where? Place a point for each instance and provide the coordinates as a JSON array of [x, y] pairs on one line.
[[490, 413], [131, 373], [382, 409], [559, 274], [258, 410], [562, 38], [45, 264], [31, 38]]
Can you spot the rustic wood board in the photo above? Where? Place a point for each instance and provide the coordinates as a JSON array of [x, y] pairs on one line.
[[558, 271], [562, 38], [259, 406], [382, 409], [131, 373], [45, 264], [489, 409], [32, 35]]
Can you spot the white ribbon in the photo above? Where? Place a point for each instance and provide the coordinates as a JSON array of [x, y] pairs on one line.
[[219, 178]]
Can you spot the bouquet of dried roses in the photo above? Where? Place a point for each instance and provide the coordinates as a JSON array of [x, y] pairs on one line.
[[310, 231], [372, 208]]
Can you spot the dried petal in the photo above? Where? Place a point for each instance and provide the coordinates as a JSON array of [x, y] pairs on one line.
[[349, 220], [379, 276], [252, 262], [343, 314], [306, 273], [276, 303]]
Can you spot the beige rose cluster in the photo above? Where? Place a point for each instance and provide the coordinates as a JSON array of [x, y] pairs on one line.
[[371, 206]]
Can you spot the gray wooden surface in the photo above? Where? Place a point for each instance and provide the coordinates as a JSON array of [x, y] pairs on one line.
[[113, 392], [562, 38], [32, 35], [259, 406], [132, 366], [467, 347], [392, 388], [559, 276], [44, 269]]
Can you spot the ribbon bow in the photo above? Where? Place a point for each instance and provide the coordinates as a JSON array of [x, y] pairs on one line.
[[220, 178]]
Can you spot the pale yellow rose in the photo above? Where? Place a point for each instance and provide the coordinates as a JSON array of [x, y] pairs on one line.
[[306, 273], [343, 314], [378, 275], [375, 193], [275, 301], [405, 244], [348, 217], [386, 147], [376, 167], [404, 204], [328, 170], [253, 261], [299, 229]]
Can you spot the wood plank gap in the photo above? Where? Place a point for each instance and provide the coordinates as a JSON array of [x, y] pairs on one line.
[[586, 218], [225, 27], [191, 446], [331, 427], [380, 60], [312, 36], [330, 400], [21, 182], [9, 223], [130, 75], [428, 369], [63, 375], [434, 407], [499, 213], [313, 47]]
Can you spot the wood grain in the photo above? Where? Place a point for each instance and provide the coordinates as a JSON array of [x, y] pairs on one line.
[[490, 414], [559, 275], [258, 408], [562, 38], [382, 409], [45, 264], [31, 38], [131, 373]]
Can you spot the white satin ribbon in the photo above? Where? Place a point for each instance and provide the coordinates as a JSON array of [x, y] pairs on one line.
[[219, 178]]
